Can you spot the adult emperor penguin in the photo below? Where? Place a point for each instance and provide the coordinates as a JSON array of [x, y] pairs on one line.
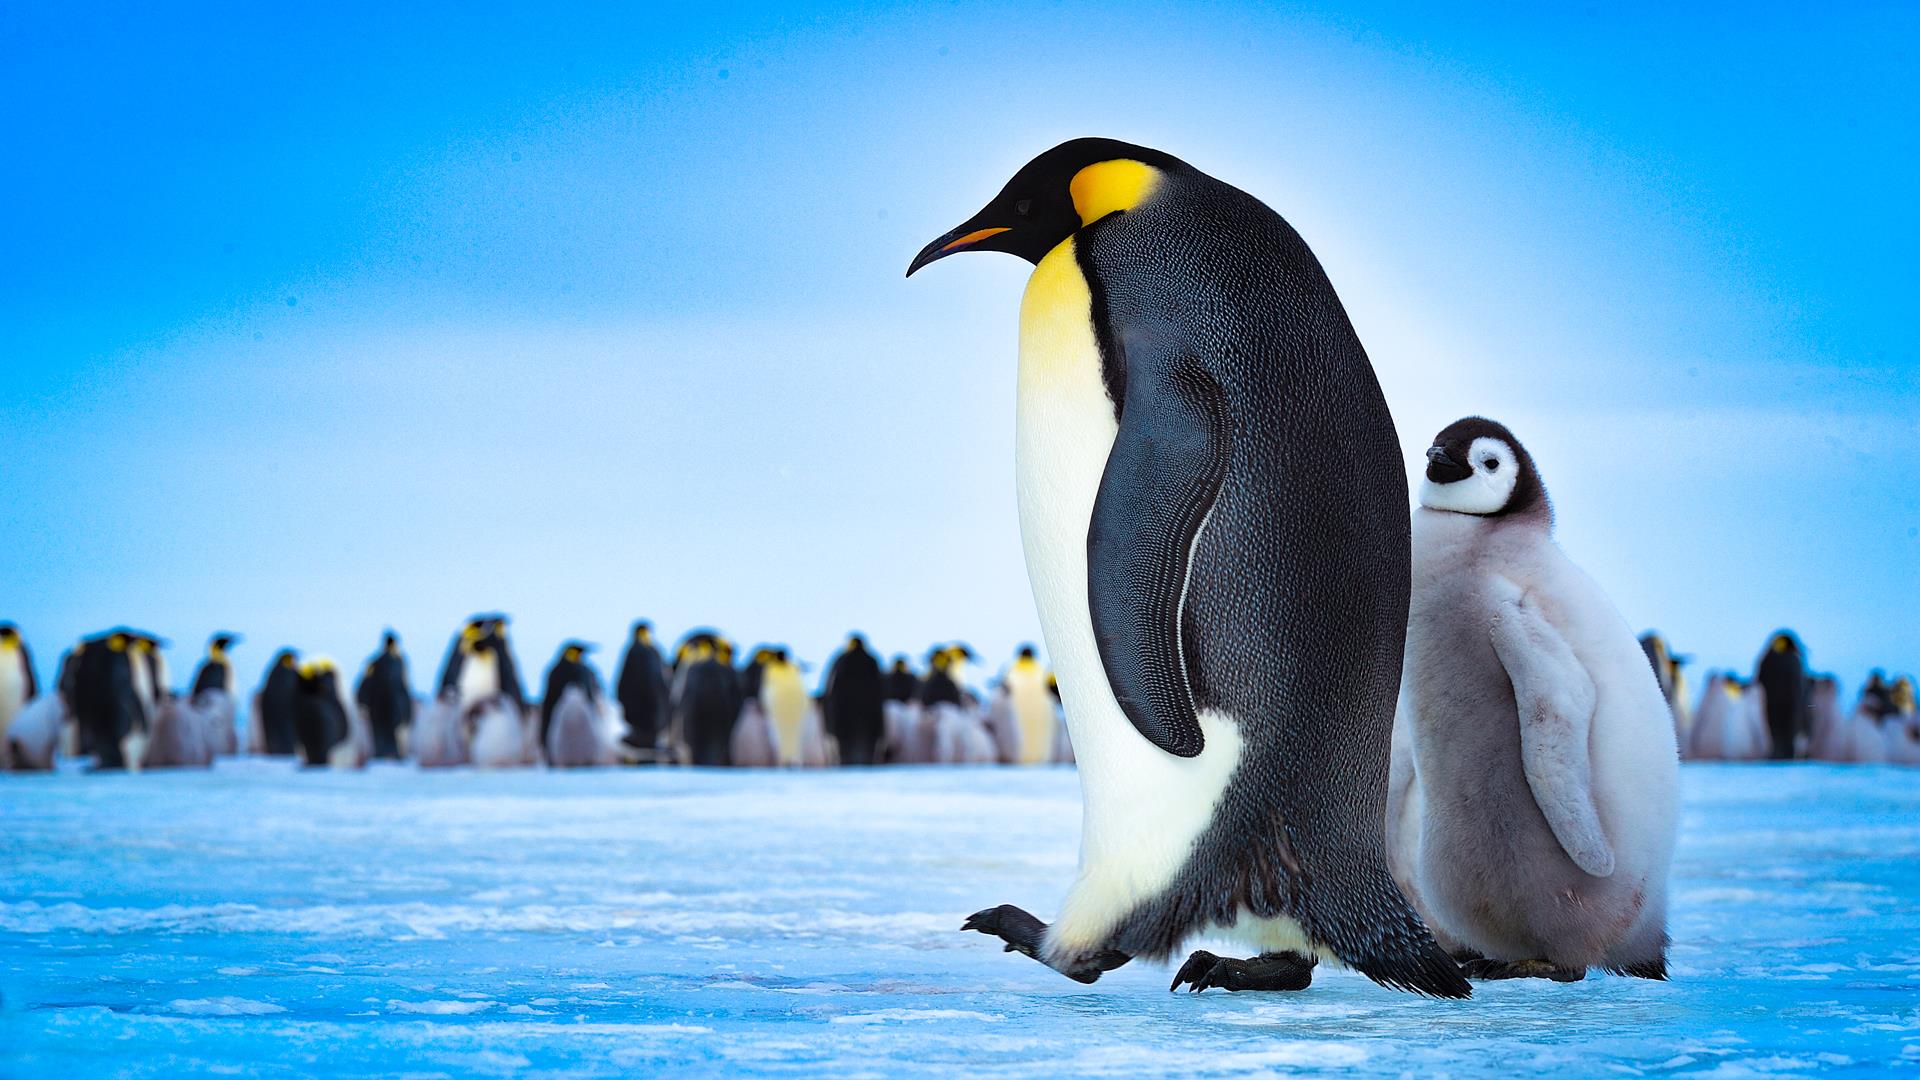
[[105, 700], [569, 669], [641, 687], [386, 697], [17, 686], [275, 725], [1032, 706], [1215, 522], [1782, 671], [1544, 757], [854, 700], [216, 668], [783, 694]]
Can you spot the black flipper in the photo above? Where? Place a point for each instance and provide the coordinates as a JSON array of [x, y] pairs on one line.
[[1166, 467]]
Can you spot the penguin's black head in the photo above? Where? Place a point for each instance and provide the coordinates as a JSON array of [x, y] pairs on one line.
[[1054, 196], [856, 642], [1026, 652], [9, 632], [1476, 466], [221, 642]]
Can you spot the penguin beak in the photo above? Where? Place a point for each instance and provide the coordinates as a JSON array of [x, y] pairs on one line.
[[1442, 468], [961, 239]]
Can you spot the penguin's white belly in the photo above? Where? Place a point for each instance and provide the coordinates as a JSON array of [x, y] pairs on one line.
[[1144, 807], [479, 678], [13, 686]]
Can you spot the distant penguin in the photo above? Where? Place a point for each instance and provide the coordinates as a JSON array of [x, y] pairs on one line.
[[941, 687], [753, 745], [499, 733], [902, 683], [1214, 514], [17, 685], [1782, 672], [507, 667], [1669, 670], [1830, 736], [1032, 705], [386, 697], [783, 694], [750, 673], [707, 701], [276, 707], [324, 720], [575, 736], [1876, 697], [853, 702], [440, 737], [569, 670], [479, 673], [1727, 724], [1543, 753], [177, 737], [144, 669], [106, 702], [1901, 726], [215, 709], [33, 739], [216, 668], [457, 653], [318, 720], [641, 688]]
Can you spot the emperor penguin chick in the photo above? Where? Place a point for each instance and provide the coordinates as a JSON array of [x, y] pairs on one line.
[[1543, 754]]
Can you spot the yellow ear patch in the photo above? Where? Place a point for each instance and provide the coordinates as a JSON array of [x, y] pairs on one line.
[[1106, 186]]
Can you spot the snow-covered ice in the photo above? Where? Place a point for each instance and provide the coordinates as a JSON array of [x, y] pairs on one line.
[[256, 920]]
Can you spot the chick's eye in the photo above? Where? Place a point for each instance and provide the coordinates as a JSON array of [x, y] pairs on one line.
[[1022, 207], [1492, 464]]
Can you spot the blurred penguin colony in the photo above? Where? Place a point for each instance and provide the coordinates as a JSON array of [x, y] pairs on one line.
[[116, 705], [1785, 712], [714, 704]]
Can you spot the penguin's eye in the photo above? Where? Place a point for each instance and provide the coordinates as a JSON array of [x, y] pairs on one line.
[[1492, 464], [1022, 207]]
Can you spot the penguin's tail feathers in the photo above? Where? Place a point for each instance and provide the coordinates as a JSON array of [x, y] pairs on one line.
[[1423, 968]]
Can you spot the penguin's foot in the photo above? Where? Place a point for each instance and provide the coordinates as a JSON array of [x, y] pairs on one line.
[[1268, 971], [1024, 934], [1490, 970]]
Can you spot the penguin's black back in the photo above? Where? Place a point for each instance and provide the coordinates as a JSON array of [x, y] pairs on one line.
[[853, 705], [104, 701], [1295, 609], [383, 692], [211, 676], [641, 688], [710, 705], [279, 700], [318, 719]]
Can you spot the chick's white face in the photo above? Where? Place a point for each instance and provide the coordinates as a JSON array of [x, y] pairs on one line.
[[1496, 469]]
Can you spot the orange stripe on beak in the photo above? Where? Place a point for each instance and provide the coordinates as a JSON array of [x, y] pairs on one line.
[[973, 237]]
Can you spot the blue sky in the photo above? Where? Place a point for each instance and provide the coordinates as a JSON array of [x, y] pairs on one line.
[[318, 321]]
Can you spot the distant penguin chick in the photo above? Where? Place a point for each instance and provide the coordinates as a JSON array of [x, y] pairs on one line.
[[1544, 768], [575, 738]]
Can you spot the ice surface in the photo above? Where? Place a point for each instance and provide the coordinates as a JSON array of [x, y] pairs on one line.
[[612, 923]]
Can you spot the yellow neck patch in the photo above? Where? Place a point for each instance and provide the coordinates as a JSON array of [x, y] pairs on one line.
[[1106, 186]]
